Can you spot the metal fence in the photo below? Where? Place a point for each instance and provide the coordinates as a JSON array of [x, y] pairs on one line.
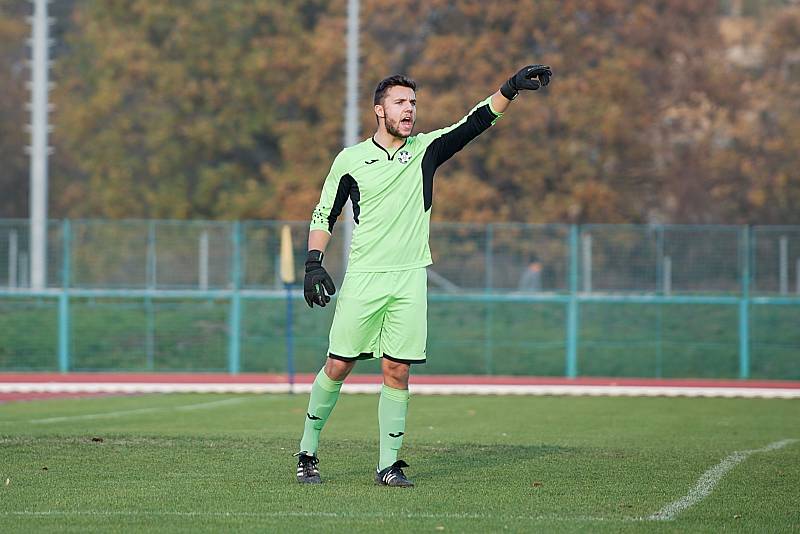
[[592, 300]]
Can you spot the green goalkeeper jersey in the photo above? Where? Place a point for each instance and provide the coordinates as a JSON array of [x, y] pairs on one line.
[[392, 193]]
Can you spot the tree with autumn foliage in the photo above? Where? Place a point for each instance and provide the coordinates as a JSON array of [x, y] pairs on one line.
[[177, 113], [667, 111], [13, 137]]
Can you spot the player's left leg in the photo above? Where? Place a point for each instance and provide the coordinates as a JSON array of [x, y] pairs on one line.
[[392, 410], [403, 339]]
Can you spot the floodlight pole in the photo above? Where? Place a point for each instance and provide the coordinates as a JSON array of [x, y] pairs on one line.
[[351, 109], [40, 64]]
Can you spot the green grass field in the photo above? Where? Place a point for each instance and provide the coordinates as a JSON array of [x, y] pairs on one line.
[[222, 463]]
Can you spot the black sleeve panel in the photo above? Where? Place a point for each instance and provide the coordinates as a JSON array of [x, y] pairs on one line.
[[444, 147], [348, 187], [451, 142]]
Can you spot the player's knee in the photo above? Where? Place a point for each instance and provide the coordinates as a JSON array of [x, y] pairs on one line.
[[337, 369], [395, 374]]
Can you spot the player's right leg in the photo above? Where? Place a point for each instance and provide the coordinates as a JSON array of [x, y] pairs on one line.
[[354, 333], [324, 394]]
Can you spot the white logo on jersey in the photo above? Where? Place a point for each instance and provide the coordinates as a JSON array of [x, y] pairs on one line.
[[404, 156]]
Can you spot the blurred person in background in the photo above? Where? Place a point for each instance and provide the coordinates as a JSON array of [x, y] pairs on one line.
[[531, 279]]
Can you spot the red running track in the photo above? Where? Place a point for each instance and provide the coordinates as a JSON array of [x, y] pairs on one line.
[[8, 380], [308, 378]]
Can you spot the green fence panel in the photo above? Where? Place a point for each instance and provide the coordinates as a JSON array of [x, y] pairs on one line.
[[28, 334], [776, 261], [521, 299]]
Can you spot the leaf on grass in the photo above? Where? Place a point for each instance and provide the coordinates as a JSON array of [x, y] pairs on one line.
[[97, 440], [737, 516], [44, 468], [537, 484], [8, 482]]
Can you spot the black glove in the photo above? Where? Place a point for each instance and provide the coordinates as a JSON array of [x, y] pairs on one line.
[[318, 283], [524, 79]]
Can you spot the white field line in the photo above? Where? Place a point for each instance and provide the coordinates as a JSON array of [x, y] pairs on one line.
[[290, 514], [123, 413], [103, 415], [419, 389], [709, 479], [212, 404]]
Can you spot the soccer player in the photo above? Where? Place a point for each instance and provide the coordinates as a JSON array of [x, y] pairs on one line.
[[381, 311]]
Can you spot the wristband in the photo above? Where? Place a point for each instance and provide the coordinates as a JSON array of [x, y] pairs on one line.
[[507, 91], [314, 256]]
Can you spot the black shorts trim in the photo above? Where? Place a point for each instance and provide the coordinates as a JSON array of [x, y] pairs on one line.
[[400, 360], [362, 356]]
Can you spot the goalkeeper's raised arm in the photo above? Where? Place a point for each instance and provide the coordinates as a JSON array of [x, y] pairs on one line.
[[441, 145]]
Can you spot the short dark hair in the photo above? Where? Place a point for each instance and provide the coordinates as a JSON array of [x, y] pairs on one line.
[[385, 84]]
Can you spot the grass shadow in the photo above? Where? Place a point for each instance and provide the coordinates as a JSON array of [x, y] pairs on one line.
[[479, 459]]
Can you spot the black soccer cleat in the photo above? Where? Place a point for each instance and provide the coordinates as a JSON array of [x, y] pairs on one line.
[[394, 476], [307, 471]]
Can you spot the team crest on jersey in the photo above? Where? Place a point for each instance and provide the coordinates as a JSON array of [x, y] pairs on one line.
[[404, 156]]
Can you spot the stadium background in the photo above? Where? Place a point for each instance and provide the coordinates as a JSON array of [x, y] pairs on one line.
[[610, 300], [655, 182]]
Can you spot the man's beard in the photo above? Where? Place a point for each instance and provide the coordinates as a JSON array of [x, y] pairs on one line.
[[394, 129]]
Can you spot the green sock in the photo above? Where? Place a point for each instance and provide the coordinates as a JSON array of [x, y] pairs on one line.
[[324, 394], [392, 409]]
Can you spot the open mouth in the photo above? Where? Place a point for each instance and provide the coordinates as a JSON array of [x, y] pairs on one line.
[[406, 121]]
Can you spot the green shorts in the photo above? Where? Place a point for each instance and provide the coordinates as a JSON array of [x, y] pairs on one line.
[[381, 315]]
